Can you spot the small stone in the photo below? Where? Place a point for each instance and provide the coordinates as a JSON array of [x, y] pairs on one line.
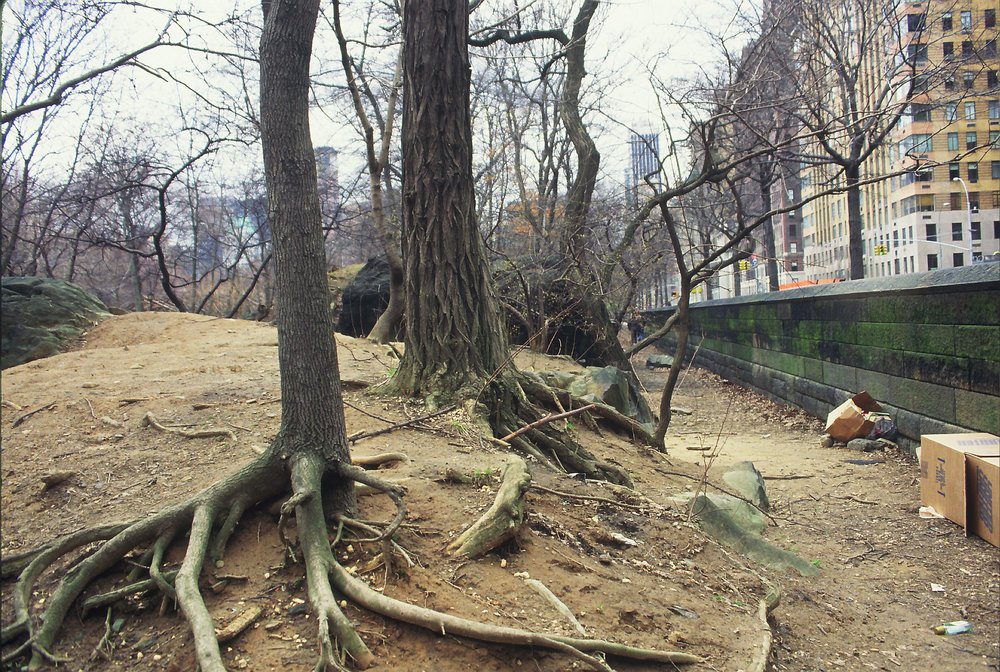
[[503, 562], [604, 558]]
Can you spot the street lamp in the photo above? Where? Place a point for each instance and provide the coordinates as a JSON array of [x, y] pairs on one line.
[[968, 216]]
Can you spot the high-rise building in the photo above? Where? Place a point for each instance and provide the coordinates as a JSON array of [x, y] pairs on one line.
[[644, 155], [942, 209]]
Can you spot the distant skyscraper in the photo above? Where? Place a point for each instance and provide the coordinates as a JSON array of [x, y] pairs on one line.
[[644, 150], [329, 185]]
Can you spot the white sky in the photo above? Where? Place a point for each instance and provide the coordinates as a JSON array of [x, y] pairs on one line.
[[636, 36]]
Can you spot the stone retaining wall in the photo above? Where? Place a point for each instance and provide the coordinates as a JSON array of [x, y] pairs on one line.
[[926, 346]]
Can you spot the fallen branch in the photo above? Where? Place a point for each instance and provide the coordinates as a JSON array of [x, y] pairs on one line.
[[151, 420], [546, 420], [560, 606], [367, 461], [502, 520], [399, 425], [242, 621], [27, 415], [590, 498]]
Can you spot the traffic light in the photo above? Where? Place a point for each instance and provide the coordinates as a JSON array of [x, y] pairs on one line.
[[744, 265], [881, 250]]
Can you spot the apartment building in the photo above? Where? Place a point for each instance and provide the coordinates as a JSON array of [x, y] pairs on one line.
[[941, 208]]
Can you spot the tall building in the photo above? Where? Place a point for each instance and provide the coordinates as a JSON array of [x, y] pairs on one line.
[[644, 155], [943, 210]]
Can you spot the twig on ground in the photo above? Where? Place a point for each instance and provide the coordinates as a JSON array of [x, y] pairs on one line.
[[27, 415], [592, 498], [546, 420], [399, 425]]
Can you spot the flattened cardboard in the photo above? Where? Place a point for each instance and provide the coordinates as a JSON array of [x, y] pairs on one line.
[[847, 421], [982, 483], [943, 470]]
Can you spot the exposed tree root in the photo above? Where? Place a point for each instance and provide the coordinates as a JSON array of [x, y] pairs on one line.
[[514, 402], [502, 520], [446, 624], [209, 519], [151, 420], [762, 653]]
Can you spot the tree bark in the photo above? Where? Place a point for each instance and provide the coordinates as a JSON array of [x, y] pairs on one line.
[[312, 411], [454, 335], [856, 243]]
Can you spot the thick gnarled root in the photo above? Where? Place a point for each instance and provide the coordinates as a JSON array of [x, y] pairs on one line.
[[502, 520]]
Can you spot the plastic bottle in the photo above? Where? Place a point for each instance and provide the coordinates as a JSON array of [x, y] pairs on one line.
[[952, 628]]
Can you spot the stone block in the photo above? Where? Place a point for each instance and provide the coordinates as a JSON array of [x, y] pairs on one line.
[[980, 412]]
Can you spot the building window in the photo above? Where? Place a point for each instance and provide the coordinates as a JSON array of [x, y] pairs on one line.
[[995, 138], [970, 110], [951, 112], [967, 50], [949, 82], [966, 20], [916, 53], [995, 170], [973, 169], [793, 247], [996, 228], [974, 200], [920, 112], [989, 49], [931, 232], [956, 201], [953, 142], [920, 143], [975, 231], [990, 18], [953, 170], [946, 21], [793, 230], [993, 109], [956, 231], [915, 22], [968, 79], [925, 175], [991, 79], [948, 48], [958, 259], [970, 140], [932, 262]]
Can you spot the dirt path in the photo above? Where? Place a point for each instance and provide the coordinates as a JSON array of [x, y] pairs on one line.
[[871, 607], [873, 604]]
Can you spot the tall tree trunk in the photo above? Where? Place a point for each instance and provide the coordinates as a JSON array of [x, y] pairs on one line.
[[856, 243], [453, 330], [584, 282], [312, 411], [682, 328]]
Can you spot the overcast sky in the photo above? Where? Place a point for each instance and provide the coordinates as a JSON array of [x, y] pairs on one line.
[[634, 36]]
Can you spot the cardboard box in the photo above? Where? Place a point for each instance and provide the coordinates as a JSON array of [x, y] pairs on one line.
[[943, 474], [982, 483], [848, 420]]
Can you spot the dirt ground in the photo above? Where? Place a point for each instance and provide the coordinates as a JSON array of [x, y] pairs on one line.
[[886, 575]]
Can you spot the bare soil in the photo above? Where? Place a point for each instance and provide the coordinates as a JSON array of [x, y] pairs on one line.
[[871, 607]]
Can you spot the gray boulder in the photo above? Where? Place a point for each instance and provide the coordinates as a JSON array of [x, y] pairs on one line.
[[607, 385], [747, 482], [659, 362], [43, 317]]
